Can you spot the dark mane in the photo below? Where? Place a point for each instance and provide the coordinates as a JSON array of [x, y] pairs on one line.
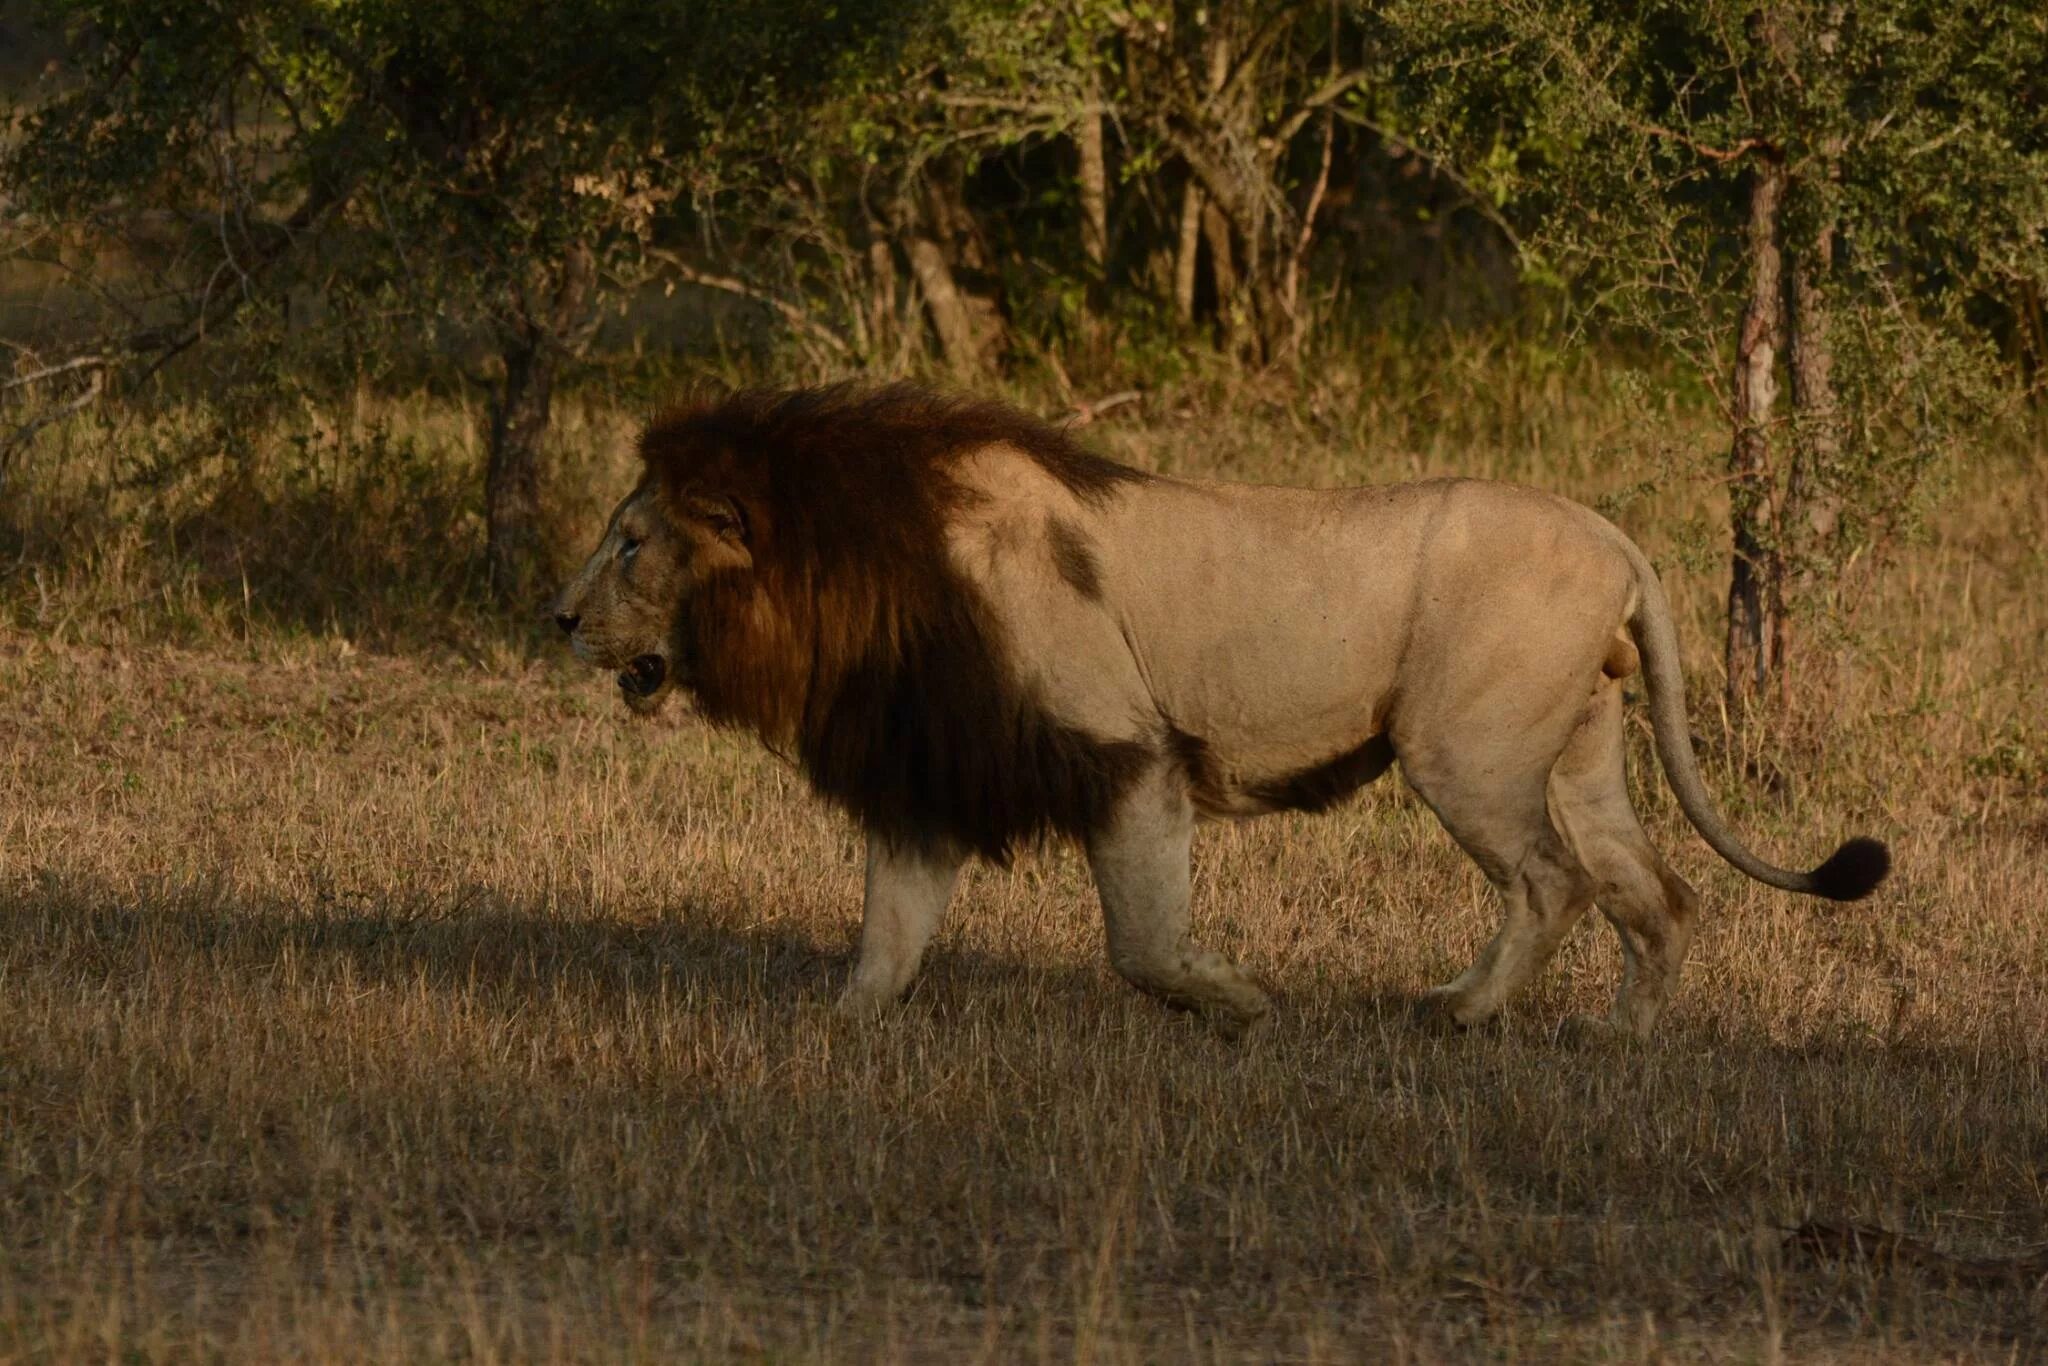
[[853, 641]]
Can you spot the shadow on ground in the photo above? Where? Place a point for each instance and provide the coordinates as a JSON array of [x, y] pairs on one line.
[[578, 1085]]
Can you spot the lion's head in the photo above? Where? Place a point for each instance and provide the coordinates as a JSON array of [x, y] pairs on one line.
[[628, 608], [783, 559]]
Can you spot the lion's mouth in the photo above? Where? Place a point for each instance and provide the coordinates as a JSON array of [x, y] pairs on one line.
[[644, 676]]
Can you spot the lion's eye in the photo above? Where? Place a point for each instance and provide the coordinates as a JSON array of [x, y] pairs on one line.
[[628, 548]]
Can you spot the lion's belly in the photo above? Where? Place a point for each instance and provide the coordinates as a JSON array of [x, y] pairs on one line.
[[1267, 627], [1263, 708]]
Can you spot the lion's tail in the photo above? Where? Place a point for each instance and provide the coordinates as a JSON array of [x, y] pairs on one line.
[[1851, 873]]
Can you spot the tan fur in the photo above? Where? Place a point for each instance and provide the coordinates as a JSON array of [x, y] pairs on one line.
[[1240, 649]]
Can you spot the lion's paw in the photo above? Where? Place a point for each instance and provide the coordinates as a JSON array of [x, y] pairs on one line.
[[1591, 1031], [1436, 1011], [1239, 1026], [855, 1004]]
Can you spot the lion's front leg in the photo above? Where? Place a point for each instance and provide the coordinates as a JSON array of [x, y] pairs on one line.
[[907, 891], [1140, 862]]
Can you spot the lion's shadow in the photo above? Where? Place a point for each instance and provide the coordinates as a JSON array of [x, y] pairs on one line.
[[509, 959], [499, 947], [514, 953]]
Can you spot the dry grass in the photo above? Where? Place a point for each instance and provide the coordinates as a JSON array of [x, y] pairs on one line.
[[412, 1003]]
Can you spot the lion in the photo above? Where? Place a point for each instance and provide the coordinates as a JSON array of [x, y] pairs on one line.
[[971, 633]]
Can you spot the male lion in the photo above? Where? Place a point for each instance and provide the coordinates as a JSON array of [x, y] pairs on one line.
[[970, 632]]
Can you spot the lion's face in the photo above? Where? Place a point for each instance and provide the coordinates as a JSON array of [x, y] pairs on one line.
[[626, 608]]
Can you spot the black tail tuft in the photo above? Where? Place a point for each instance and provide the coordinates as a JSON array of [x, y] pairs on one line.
[[1853, 871]]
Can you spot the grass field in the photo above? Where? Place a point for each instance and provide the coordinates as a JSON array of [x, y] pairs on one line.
[[372, 988]]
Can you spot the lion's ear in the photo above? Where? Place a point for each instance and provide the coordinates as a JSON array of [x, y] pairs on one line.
[[723, 515]]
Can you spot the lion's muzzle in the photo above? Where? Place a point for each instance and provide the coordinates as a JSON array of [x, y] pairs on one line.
[[644, 676]]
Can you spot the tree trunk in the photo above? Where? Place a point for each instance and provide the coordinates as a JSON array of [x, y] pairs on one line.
[[1094, 188], [1236, 223], [1223, 269], [947, 306], [1813, 506], [940, 236], [1754, 590], [519, 421], [532, 348], [881, 302], [1188, 258], [952, 222], [1201, 219], [1297, 259]]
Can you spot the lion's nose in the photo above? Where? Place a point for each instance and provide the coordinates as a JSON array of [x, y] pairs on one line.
[[567, 621]]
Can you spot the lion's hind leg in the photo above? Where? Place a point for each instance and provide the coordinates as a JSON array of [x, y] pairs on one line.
[[1652, 908], [1500, 819], [1140, 862]]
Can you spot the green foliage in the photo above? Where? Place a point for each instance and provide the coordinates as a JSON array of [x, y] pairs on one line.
[[441, 182], [1624, 138], [1913, 139], [451, 154]]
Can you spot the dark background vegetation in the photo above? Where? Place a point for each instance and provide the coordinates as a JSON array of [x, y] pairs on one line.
[[1827, 219]]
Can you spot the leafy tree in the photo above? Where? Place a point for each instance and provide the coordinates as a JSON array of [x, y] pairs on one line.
[[980, 154], [1810, 196], [480, 170], [854, 214], [1229, 89]]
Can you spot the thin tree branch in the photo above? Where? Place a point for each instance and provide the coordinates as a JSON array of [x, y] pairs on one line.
[[1707, 150], [1475, 199], [51, 371], [1004, 104], [1333, 89], [1084, 413], [1254, 52], [787, 311], [26, 433], [1290, 290]]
